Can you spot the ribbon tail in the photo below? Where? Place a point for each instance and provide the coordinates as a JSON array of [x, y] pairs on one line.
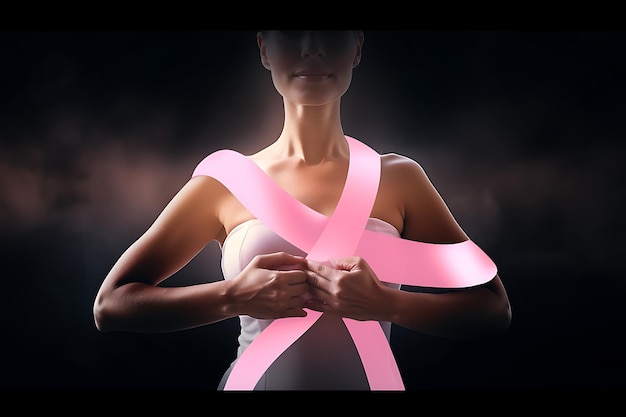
[[376, 355], [258, 356]]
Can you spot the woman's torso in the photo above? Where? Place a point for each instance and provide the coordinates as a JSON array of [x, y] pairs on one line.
[[325, 356]]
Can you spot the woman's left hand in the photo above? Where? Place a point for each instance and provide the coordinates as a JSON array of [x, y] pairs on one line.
[[348, 287]]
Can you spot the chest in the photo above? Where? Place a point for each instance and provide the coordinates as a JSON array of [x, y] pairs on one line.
[[319, 188]]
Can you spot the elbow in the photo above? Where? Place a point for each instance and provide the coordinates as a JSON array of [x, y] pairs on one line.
[[99, 322], [500, 310], [101, 315], [502, 323], [494, 321], [508, 317]]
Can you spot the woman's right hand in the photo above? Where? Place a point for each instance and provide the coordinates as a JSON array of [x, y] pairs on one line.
[[271, 286]]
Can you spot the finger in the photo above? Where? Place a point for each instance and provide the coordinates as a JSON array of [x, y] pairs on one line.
[[315, 292], [297, 301], [321, 269], [319, 285], [292, 306], [317, 305], [291, 277], [277, 259], [347, 263]]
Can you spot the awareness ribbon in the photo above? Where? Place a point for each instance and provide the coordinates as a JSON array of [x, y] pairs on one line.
[[393, 259]]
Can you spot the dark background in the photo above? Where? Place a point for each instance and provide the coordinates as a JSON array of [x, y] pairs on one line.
[[522, 132]]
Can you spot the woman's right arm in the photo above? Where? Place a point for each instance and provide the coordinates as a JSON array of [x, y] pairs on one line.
[[130, 298]]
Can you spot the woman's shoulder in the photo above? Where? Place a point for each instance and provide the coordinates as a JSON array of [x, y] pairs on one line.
[[400, 165], [405, 175]]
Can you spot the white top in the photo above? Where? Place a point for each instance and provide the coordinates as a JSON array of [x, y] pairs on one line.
[[325, 356]]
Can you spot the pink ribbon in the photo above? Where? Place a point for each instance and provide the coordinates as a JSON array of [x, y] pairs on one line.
[[394, 260]]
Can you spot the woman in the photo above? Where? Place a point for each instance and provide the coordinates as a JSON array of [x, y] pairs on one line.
[[268, 277]]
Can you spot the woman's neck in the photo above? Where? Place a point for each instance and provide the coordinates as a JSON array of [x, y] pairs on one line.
[[312, 134]]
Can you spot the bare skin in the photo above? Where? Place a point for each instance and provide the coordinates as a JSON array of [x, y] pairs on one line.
[[311, 70]]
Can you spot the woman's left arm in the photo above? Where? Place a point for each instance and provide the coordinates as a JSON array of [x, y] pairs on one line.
[[350, 287], [466, 312]]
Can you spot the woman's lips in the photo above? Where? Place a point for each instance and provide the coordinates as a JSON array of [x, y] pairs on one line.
[[311, 74]]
